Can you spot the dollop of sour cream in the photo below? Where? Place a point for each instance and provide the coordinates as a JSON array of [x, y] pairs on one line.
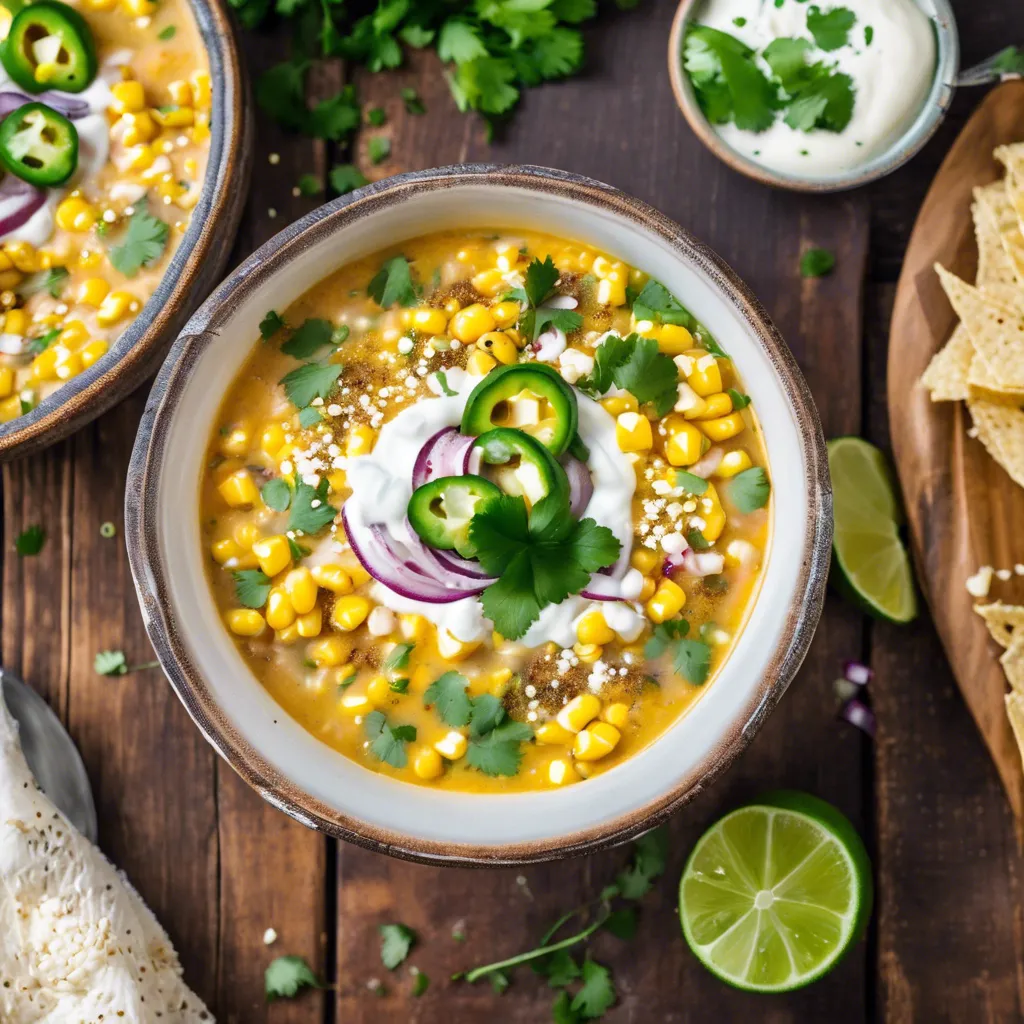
[[381, 484], [891, 57]]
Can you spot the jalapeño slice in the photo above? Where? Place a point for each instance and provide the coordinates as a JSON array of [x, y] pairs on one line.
[[440, 511], [39, 145], [49, 46], [532, 398], [523, 466]]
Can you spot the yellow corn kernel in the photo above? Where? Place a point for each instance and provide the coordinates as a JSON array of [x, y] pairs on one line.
[[505, 313], [472, 323], [379, 691], [645, 560], [633, 432], [489, 282], [273, 552], [23, 256], [452, 745], [68, 364], [584, 769], [129, 97], [596, 741], [724, 427], [480, 363], [732, 463], [246, 534], [141, 157], [173, 117], [289, 635], [508, 255], [415, 627], [225, 550], [588, 653], [201, 88], [16, 322], [741, 553], [427, 763], [674, 340], [618, 404], [280, 613], [310, 624], [239, 491], [90, 259], [716, 405], [93, 291], [578, 712], [560, 772], [647, 589], [689, 403], [10, 408], [137, 129], [10, 279], [180, 92], [667, 602], [301, 589], [191, 166], [337, 481], [615, 714], [702, 371], [355, 703], [245, 621], [712, 513], [235, 443], [428, 321], [75, 214], [685, 443], [452, 306], [350, 612], [5, 261], [272, 439], [200, 131], [6, 381], [101, 5], [358, 574], [611, 293], [329, 652], [333, 578], [592, 629], [500, 346], [361, 438], [139, 8], [452, 649], [116, 306], [552, 733]]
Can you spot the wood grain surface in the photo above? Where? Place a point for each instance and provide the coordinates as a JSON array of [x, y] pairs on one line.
[[963, 509], [219, 866]]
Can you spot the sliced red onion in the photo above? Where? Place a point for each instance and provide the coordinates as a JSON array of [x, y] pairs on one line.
[[472, 460], [581, 485], [855, 672], [857, 713], [71, 107], [444, 454], [550, 345], [707, 463], [603, 588], [22, 201], [461, 566]]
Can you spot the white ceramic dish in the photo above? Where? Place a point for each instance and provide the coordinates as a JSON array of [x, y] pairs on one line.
[[275, 754]]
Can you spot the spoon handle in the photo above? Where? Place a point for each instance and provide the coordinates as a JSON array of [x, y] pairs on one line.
[[1000, 67]]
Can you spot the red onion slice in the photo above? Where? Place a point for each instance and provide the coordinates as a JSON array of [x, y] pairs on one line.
[[707, 463], [453, 563], [855, 672], [20, 200], [581, 486], [71, 107], [859, 714], [444, 454], [603, 588]]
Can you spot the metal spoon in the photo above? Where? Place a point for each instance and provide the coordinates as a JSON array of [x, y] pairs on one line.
[[51, 754]]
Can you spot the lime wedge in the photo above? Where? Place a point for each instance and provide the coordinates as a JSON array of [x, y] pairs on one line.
[[775, 893], [871, 564]]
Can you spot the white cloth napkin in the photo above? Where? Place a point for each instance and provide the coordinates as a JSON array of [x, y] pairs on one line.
[[77, 944]]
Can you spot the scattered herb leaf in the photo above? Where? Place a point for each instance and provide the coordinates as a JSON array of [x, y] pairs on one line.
[[270, 325], [286, 976], [749, 490], [276, 494], [142, 243], [393, 283], [395, 941], [387, 743], [30, 541], [308, 338], [252, 587], [817, 262]]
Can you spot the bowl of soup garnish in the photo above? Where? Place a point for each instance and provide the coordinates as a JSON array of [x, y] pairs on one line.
[[481, 515], [814, 97], [123, 157]]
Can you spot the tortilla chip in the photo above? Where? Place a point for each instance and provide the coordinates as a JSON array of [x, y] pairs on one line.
[[997, 330], [993, 214], [1005, 621], [1012, 158], [1015, 713], [981, 378], [1012, 661], [946, 375], [1001, 430]]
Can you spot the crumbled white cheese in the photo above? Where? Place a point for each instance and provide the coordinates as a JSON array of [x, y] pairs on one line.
[[978, 584]]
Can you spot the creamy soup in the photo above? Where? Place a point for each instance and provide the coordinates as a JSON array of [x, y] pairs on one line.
[[104, 138], [487, 512]]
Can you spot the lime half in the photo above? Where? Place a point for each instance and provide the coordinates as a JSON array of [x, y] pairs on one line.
[[871, 564], [775, 893]]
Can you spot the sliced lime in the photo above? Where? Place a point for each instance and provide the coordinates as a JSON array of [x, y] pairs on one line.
[[871, 564], [775, 893]]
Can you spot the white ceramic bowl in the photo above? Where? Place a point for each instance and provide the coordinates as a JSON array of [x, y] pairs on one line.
[[321, 787]]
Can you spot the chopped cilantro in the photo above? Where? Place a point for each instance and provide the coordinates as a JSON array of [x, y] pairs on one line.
[[387, 742], [395, 941], [310, 512], [831, 29], [276, 494], [691, 659], [399, 685], [413, 103], [309, 381], [697, 540], [655, 302], [1007, 62], [817, 262], [270, 325], [397, 658], [442, 379], [664, 635], [597, 993], [869, 35], [44, 341], [562, 1011], [142, 244], [498, 752], [309, 417], [378, 149], [393, 283], [739, 22], [447, 694], [281, 93], [420, 982], [308, 338], [650, 856], [310, 185], [749, 490], [167, 33], [114, 663], [622, 923], [559, 968], [539, 283], [51, 280], [738, 399], [286, 976], [376, 116], [30, 541], [691, 483], [346, 178], [499, 982], [296, 550], [252, 587], [636, 364]]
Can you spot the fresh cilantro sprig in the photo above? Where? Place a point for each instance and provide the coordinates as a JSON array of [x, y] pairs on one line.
[[310, 381], [51, 280], [271, 323], [252, 587], [749, 490], [281, 93], [286, 976], [392, 284], [395, 942], [691, 659], [30, 541], [538, 285], [310, 512], [387, 742], [637, 365], [397, 658], [114, 663], [142, 243], [308, 338]]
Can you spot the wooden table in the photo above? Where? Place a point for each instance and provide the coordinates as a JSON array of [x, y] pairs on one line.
[[219, 866]]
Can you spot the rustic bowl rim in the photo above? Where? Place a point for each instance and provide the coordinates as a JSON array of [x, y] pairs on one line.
[[940, 97], [151, 576], [194, 268]]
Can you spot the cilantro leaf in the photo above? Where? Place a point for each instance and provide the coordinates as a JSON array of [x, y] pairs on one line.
[[309, 381], [286, 976], [826, 101], [498, 752], [448, 695], [420, 983], [1007, 62], [655, 302], [539, 279], [459, 42], [378, 149], [738, 399], [393, 283], [395, 942], [309, 416], [110, 663], [376, 116], [387, 743], [650, 856], [636, 364], [487, 714], [442, 380], [499, 982], [597, 993], [252, 587], [167, 33], [44, 341], [270, 325], [559, 968], [566, 320], [831, 29], [697, 540], [51, 280], [788, 60], [397, 658], [817, 262], [281, 93], [143, 242], [346, 178], [622, 923], [30, 541], [510, 603], [413, 103], [663, 636], [310, 512], [276, 494], [749, 490], [692, 661], [562, 1011], [690, 482], [310, 185], [308, 338], [574, 11], [485, 84]]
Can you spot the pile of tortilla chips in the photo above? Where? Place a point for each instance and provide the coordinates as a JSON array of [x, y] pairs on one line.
[[982, 364]]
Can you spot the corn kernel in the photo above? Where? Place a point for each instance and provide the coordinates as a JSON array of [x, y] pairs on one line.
[[301, 589], [280, 613], [732, 463], [702, 371], [500, 346], [245, 622], [93, 291], [10, 408], [578, 712], [139, 8], [724, 427], [647, 589], [329, 652], [246, 534], [741, 553], [137, 128], [361, 438], [101, 5], [415, 627], [427, 763], [16, 322], [23, 256], [239, 491], [201, 88], [480, 363], [129, 97], [592, 629], [225, 550], [289, 635], [428, 321], [357, 574], [596, 741], [588, 653], [68, 365], [674, 339], [472, 323], [615, 714], [552, 733], [618, 404], [173, 117], [452, 306], [667, 603], [274, 553], [559, 772], [452, 649], [505, 313], [272, 439], [355, 703], [180, 92], [685, 443], [75, 214], [489, 282], [716, 405], [689, 403], [452, 745], [310, 624], [235, 443], [116, 306], [337, 481], [714, 517], [90, 259], [6, 381], [350, 612], [645, 560], [379, 691], [611, 293], [633, 432]]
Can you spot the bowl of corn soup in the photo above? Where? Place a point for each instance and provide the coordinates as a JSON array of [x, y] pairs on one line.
[[480, 516], [123, 166]]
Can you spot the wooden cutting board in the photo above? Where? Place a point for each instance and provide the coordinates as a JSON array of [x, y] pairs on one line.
[[964, 511]]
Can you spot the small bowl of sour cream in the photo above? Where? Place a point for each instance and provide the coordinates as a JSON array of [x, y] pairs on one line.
[[814, 98]]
